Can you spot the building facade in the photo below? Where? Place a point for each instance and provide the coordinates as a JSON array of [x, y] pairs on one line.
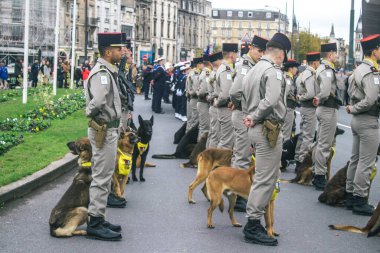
[[128, 19], [144, 21], [342, 49], [358, 53], [234, 26]]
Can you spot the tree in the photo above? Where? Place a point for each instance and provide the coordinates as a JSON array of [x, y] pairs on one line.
[[307, 43]]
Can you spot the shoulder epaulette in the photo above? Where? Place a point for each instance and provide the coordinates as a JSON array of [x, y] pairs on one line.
[[245, 62], [374, 70], [228, 67], [327, 66]]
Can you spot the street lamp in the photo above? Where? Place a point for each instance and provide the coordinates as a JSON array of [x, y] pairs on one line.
[[279, 15]]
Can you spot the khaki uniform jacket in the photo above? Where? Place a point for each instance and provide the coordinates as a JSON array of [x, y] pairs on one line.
[[364, 88], [203, 80], [291, 100], [191, 81], [102, 96], [306, 85], [211, 87], [224, 79], [241, 70], [264, 90], [326, 80]]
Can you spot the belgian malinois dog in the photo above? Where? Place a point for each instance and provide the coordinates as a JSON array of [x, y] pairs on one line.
[[207, 160], [233, 182], [371, 229], [71, 210]]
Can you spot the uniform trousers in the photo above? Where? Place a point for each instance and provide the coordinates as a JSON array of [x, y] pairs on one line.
[[288, 124], [226, 140], [241, 152], [194, 120], [308, 126], [214, 132], [204, 118]]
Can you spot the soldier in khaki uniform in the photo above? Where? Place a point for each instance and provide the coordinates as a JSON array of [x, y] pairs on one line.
[[364, 92], [306, 91], [214, 132], [103, 107], [264, 90], [224, 79], [327, 112], [242, 149], [203, 105], [290, 70], [191, 90]]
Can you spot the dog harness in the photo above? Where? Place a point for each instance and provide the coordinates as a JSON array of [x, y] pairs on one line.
[[276, 188], [86, 164], [124, 163], [142, 147]]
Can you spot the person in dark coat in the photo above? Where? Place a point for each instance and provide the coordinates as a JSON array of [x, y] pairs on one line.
[[34, 72], [180, 92], [147, 78], [159, 79]]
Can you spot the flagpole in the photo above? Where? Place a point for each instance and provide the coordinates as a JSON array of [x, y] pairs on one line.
[[56, 31], [73, 45], [26, 53]]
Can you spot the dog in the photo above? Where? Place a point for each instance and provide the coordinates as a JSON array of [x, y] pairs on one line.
[[123, 165], [185, 146], [180, 133], [371, 229], [141, 150], [288, 151], [207, 160], [234, 182], [71, 210], [200, 147]]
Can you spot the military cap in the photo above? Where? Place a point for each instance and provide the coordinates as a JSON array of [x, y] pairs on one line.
[[259, 42], [370, 43], [230, 47], [291, 63], [281, 41], [113, 39], [329, 47], [313, 56], [197, 61], [185, 67], [216, 56]]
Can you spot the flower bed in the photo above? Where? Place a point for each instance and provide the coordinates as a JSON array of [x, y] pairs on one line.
[[6, 96], [9, 140]]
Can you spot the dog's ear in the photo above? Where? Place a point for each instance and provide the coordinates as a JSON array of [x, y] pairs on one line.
[[151, 120], [141, 121], [122, 133], [71, 146]]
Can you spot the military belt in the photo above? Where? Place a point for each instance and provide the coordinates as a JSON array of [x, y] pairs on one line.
[[331, 103], [111, 124], [307, 104], [193, 96]]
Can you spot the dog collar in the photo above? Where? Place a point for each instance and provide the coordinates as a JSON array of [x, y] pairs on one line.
[[86, 165], [142, 147]]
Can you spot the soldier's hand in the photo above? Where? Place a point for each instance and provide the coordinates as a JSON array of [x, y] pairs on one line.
[[231, 106], [316, 101], [298, 97], [248, 121], [348, 109]]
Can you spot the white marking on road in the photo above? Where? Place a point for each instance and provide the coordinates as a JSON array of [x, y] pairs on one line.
[[337, 124]]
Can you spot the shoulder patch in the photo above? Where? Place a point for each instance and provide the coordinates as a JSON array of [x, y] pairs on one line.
[[245, 62], [279, 75], [103, 79], [376, 80]]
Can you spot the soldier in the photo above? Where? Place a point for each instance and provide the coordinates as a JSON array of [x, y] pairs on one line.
[[159, 79], [203, 106], [290, 71], [264, 90], [224, 79], [191, 90], [327, 112], [103, 107], [364, 92], [214, 132], [306, 91]]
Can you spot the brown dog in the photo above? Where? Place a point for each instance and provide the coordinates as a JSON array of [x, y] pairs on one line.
[[123, 164], [371, 229], [234, 182], [207, 160], [71, 210]]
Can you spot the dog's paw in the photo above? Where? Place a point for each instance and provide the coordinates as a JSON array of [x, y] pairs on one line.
[[210, 226], [237, 225], [192, 201], [276, 234]]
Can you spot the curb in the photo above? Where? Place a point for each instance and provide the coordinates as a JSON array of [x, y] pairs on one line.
[[26, 185]]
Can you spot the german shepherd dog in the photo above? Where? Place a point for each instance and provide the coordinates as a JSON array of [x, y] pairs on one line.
[[180, 133], [71, 210], [200, 147], [234, 182], [288, 151], [185, 146], [141, 150], [123, 165], [207, 160], [371, 229]]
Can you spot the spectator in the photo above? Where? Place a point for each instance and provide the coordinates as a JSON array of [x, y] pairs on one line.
[[147, 78], [86, 65], [85, 74], [34, 72], [78, 76], [60, 73], [18, 71], [3, 76], [66, 71], [46, 71], [169, 76]]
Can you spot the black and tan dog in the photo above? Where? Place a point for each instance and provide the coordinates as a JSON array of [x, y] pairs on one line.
[[207, 160], [141, 149], [71, 210], [371, 229], [233, 182], [199, 148], [123, 165]]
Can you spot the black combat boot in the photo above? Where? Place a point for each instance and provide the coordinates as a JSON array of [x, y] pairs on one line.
[[115, 202], [349, 201], [113, 227], [255, 233], [361, 206], [97, 230], [241, 205], [319, 182]]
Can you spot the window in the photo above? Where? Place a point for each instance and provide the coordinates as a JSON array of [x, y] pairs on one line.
[[268, 26], [268, 34], [162, 28], [169, 11], [154, 29], [240, 24], [259, 33], [240, 14], [168, 35], [215, 13], [259, 25], [250, 14], [268, 15], [229, 13]]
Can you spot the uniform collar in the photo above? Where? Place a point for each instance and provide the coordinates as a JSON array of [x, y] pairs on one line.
[[265, 58], [329, 63], [228, 63], [311, 69], [371, 62], [249, 59], [108, 65]]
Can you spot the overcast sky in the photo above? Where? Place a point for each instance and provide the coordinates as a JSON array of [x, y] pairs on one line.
[[320, 13]]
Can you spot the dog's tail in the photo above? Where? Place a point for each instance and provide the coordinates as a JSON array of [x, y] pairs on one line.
[[172, 156], [150, 165], [347, 228]]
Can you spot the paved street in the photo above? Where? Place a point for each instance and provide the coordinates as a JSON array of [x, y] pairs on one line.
[[159, 219]]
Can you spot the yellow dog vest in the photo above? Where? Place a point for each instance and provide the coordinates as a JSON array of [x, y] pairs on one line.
[[142, 147], [125, 163]]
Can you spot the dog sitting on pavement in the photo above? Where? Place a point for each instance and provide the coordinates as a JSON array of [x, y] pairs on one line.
[[71, 210], [200, 147]]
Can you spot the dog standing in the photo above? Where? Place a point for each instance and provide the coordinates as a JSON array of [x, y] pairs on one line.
[[71, 210]]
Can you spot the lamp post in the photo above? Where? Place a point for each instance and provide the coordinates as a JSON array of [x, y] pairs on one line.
[[351, 43], [279, 16]]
